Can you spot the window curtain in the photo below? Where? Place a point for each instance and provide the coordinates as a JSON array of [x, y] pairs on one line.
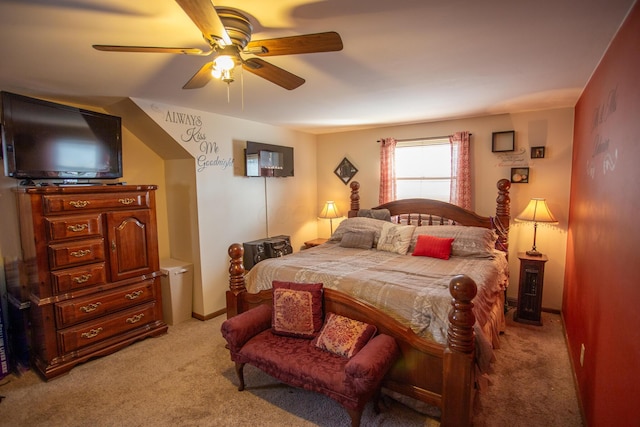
[[460, 193], [387, 170]]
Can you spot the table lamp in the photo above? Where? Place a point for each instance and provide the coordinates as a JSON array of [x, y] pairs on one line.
[[329, 211], [536, 211]]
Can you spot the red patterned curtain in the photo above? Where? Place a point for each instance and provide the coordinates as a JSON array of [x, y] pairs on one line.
[[460, 170], [387, 170]]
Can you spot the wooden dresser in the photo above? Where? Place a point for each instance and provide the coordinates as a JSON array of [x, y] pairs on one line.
[[91, 255]]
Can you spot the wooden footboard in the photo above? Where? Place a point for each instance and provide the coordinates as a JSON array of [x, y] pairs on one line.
[[439, 375]]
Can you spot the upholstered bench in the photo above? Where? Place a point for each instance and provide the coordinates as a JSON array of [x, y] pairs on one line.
[[351, 379]]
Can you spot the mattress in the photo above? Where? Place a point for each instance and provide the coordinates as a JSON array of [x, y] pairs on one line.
[[412, 289]]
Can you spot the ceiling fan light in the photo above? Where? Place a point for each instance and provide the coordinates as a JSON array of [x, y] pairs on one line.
[[227, 76], [224, 62]]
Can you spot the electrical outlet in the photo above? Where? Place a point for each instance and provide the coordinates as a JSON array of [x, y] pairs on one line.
[[582, 354]]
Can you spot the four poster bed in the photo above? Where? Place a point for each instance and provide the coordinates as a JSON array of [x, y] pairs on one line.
[[445, 312]]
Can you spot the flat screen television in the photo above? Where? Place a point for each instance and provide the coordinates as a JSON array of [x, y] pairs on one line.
[[268, 160], [46, 140]]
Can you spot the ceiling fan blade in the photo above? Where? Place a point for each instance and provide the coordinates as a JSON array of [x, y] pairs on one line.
[[272, 73], [201, 78], [204, 15], [151, 49], [309, 43]]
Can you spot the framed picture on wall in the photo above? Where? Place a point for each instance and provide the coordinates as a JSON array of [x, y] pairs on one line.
[[520, 175], [537, 152], [503, 141], [345, 171]]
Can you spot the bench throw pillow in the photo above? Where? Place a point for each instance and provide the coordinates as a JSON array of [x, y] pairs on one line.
[[297, 309], [343, 336]]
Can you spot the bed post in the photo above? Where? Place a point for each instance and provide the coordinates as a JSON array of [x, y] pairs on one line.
[[355, 199], [458, 361], [503, 214], [236, 278]]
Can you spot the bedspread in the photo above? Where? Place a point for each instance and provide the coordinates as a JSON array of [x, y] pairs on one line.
[[412, 289]]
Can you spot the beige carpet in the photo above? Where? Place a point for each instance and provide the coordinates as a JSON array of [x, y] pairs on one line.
[[185, 378]]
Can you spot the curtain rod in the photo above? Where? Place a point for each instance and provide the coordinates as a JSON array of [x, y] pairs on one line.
[[423, 139]]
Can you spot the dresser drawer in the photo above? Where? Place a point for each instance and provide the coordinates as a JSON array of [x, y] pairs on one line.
[[92, 306], [88, 333], [76, 253], [85, 202], [73, 227], [77, 278]]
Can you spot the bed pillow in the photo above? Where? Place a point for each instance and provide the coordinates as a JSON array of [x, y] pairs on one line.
[[434, 247], [343, 336], [383, 214], [473, 242], [358, 224], [297, 309], [395, 238], [358, 240]]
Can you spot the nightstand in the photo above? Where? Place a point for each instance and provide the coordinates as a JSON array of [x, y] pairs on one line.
[[315, 242], [529, 306]]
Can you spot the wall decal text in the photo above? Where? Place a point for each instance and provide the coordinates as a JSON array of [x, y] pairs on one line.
[[194, 133], [603, 152]]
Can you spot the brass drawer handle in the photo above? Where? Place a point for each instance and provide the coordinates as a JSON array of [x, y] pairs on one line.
[[136, 318], [79, 203], [90, 307], [82, 279], [92, 333], [134, 295], [127, 201], [80, 253], [77, 227]]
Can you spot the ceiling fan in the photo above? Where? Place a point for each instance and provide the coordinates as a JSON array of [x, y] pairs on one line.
[[228, 32]]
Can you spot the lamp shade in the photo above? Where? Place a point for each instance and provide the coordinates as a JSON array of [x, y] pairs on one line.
[[537, 211], [329, 211]]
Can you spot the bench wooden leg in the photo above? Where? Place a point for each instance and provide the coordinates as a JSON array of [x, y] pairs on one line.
[[240, 373], [376, 401], [355, 417]]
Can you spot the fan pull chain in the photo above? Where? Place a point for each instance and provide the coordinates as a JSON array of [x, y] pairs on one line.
[[242, 86]]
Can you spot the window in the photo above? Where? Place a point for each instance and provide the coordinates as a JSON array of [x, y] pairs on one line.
[[423, 169]]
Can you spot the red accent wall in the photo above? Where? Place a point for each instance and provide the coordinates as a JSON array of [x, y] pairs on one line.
[[601, 305]]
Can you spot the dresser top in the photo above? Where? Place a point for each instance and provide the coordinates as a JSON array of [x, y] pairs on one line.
[[79, 189]]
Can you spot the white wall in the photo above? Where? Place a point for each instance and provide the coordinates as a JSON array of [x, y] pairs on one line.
[[231, 207], [549, 177]]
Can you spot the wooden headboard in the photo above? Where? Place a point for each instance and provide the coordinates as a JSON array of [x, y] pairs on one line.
[[435, 212]]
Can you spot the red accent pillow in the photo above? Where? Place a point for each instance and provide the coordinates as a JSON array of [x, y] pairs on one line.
[[343, 336], [297, 309], [434, 247]]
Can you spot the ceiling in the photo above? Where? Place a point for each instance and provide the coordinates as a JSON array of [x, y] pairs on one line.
[[404, 61]]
